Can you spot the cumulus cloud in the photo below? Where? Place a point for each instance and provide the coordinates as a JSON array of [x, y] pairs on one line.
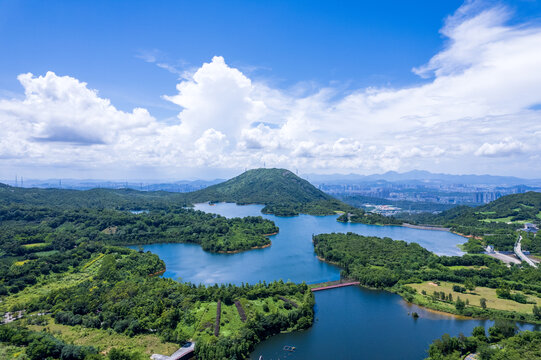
[[502, 148], [477, 108]]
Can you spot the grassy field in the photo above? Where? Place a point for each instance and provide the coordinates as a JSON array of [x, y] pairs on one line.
[[35, 245], [10, 351], [460, 267], [493, 302], [104, 340], [46, 284], [20, 263], [230, 320], [508, 220]]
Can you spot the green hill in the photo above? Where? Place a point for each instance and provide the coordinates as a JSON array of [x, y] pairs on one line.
[[281, 191], [124, 199]]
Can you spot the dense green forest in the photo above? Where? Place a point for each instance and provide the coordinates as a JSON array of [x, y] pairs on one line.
[[364, 217], [121, 199], [501, 343], [33, 230], [431, 280], [119, 294]]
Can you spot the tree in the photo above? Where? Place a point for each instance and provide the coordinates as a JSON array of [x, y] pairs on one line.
[[537, 312], [459, 305], [108, 267], [502, 329], [479, 333], [483, 303], [117, 354], [469, 284]]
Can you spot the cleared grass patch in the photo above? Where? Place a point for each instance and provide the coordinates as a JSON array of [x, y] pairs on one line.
[[21, 263], [45, 253], [105, 340], [230, 321], [461, 267], [493, 302], [11, 352], [34, 245]]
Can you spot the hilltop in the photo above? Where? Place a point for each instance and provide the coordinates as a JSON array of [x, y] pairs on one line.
[[281, 191]]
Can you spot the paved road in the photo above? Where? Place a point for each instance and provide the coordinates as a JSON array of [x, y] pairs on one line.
[[505, 258], [520, 254], [179, 354]]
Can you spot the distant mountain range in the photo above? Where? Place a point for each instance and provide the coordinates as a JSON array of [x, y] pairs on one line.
[[414, 177], [417, 176], [143, 185]]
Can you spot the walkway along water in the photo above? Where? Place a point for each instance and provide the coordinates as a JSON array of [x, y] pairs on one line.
[[328, 287]]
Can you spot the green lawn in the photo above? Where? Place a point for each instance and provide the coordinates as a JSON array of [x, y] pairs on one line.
[[34, 245], [493, 302]]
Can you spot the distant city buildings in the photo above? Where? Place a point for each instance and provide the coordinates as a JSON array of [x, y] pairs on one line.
[[441, 193]]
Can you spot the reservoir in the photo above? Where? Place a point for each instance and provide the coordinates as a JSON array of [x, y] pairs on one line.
[[351, 322]]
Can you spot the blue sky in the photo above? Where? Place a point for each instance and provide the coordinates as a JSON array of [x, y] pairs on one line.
[[276, 59], [355, 43]]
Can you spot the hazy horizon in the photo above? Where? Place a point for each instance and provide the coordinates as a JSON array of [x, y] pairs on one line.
[[210, 179]]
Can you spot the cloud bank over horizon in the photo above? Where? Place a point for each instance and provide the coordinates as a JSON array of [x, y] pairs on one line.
[[476, 109]]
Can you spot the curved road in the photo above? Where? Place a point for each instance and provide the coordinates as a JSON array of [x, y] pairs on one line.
[[520, 254]]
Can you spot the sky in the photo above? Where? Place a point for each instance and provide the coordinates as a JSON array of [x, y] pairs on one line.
[[206, 89]]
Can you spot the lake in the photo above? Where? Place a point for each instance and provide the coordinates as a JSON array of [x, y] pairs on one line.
[[350, 323]]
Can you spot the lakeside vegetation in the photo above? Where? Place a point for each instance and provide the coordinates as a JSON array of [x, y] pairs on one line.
[[32, 230], [502, 342], [453, 284], [117, 296], [363, 217]]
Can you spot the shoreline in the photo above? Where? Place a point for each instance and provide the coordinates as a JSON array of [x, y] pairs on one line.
[[440, 312], [424, 307], [239, 251], [425, 227]]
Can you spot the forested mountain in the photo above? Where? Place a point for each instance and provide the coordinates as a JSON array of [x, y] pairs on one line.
[[123, 199], [283, 193]]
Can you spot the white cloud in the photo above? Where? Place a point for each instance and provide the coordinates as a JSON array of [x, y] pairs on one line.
[[475, 110], [502, 148]]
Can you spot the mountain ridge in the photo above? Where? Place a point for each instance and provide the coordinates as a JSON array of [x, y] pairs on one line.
[[281, 191]]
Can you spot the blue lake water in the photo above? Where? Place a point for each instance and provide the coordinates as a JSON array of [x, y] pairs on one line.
[[351, 323]]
